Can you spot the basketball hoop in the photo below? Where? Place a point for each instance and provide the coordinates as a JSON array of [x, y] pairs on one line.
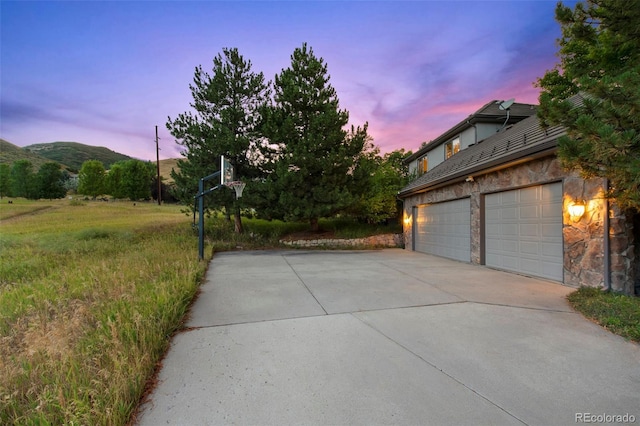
[[238, 186]]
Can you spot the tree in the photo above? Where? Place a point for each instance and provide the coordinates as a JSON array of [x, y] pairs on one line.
[[114, 181], [5, 180], [49, 181], [377, 180], [91, 179], [22, 179], [136, 179], [227, 111], [599, 60], [311, 154]]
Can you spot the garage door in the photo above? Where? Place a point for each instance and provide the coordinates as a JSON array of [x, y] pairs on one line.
[[523, 231], [444, 229]]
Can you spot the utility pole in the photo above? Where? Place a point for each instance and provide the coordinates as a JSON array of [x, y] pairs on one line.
[[158, 169]]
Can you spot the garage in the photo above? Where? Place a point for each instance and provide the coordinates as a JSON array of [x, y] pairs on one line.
[[523, 231], [444, 229]]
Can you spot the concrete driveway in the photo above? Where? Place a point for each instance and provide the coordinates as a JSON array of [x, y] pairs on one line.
[[387, 337]]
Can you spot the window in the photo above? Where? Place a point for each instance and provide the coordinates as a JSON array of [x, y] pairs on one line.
[[423, 165], [451, 148]]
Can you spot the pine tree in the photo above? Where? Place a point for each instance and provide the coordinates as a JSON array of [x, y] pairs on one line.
[[599, 60], [312, 155], [225, 120]]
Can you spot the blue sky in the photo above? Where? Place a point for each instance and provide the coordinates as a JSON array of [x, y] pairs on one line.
[[106, 73]]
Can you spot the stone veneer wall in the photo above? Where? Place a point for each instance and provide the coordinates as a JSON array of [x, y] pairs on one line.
[[583, 241], [625, 271]]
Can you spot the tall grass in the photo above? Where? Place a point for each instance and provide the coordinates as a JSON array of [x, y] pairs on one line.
[[91, 292], [89, 297]]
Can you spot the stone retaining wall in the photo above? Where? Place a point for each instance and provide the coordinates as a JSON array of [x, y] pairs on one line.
[[382, 240]]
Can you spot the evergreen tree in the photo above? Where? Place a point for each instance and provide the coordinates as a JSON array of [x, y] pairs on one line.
[[227, 105], [600, 60], [49, 181], [91, 179], [311, 154]]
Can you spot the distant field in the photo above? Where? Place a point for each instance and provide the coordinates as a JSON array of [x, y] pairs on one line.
[[90, 294]]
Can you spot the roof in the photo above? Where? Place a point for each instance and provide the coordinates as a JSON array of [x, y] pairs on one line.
[[490, 112], [519, 142]]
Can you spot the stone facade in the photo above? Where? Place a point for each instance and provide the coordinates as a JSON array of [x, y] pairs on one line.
[[625, 271], [583, 240], [383, 240]]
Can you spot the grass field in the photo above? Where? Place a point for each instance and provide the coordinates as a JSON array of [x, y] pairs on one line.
[[90, 294]]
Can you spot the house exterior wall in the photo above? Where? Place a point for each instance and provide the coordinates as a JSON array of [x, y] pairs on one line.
[[436, 154], [583, 240], [484, 130]]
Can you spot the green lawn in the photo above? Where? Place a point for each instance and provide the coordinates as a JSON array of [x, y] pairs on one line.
[[617, 313]]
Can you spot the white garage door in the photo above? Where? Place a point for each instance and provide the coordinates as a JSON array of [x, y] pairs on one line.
[[444, 229], [523, 231]]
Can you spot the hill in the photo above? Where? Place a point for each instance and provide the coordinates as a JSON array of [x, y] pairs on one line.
[[10, 153], [73, 154], [165, 169], [70, 155]]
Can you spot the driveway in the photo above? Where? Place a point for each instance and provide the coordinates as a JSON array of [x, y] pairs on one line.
[[387, 337]]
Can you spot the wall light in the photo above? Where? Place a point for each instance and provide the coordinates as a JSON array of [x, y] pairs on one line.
[[576, 210], [407, 220]]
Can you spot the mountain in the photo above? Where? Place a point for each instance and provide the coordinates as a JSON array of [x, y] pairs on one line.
[[9, 153], [73, 154]]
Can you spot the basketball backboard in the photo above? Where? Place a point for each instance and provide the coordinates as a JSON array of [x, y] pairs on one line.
[[228, 171]]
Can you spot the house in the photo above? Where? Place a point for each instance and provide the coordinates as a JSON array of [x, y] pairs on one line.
[[504, 201], [481, 124]]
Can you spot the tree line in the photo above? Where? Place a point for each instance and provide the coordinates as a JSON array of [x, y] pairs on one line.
[[132, 179], [289, 141]]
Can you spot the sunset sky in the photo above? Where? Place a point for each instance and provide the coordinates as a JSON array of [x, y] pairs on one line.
[[106, 73]]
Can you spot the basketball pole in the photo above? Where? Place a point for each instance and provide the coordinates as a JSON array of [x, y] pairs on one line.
[[200, 196]]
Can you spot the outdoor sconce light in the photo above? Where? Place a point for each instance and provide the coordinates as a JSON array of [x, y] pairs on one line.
[[576, 210], [407, 220]]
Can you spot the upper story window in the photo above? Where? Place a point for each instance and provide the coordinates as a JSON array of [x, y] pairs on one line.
[[423, 165], [452, 147]]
